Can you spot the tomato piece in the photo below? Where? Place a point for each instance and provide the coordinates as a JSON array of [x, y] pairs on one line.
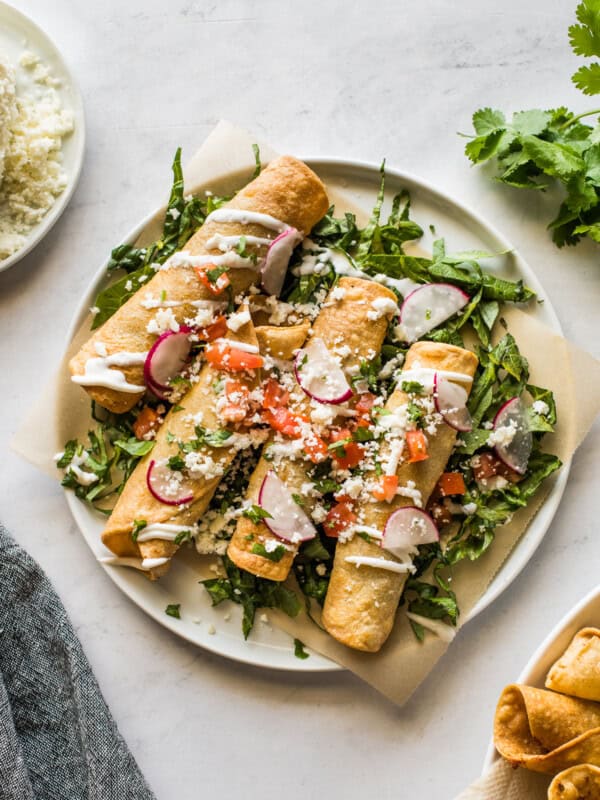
[[388, 485], [238, 401], [365, 403], [216, 284], [284, 421], [216, 330], [228, 357], [338, 519], [487, 465], [349, 454], [147, 420], [274, 395], [451, 483], [416, 442], [315, 448]]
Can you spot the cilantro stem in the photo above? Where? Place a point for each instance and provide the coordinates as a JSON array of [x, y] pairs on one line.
[[570, 122]]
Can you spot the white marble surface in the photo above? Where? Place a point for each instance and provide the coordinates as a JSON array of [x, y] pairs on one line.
[[363, 80]]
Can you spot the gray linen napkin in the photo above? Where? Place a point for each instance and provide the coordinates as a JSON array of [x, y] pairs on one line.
[[58, 740]]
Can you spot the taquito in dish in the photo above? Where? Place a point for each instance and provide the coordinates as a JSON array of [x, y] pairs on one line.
[[362, 597], [545, 731], [576, 783], [110, 366], [193, 433], [577, 671], [352, 324]]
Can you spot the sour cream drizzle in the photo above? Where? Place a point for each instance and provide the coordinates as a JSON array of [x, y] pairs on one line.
[[379, 563], [131, 561], [317, 264], [425, 376], [440, 629], [225, 243], [231, 343], [98, 372], [247, 218], [229, 259], [161, 530]]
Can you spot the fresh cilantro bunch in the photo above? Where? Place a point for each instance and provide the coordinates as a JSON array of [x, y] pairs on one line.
[[536, 148]]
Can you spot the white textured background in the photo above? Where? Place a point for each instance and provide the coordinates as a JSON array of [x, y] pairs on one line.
[[350, 79]]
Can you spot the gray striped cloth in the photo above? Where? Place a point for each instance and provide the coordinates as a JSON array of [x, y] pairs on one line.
[[58, 740]]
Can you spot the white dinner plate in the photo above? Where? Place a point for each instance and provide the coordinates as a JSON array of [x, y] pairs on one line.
[[17, 34], [585, 614], [267, 646]]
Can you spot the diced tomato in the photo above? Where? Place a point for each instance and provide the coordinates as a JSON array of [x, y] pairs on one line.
[[215, 330], [275, 396], [284, 421], [147, 420], [451, 483], [214, 286], [238, 397], [315, 448], [338, 519], [388, 485], [416, 442], [228, 357], [487, 465], [349, 454], [365, 403]]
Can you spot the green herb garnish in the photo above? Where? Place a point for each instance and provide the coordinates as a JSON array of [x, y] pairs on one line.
[[173, 610]]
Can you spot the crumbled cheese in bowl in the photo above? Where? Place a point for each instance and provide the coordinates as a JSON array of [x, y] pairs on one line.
[[33, 124]]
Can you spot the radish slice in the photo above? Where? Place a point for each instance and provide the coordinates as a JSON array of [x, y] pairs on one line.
[[287, 521], [511, 436], [278, 257], [165, 359], [166, 487], [319, 374], [429, 306], [451, 402], [407, 528]]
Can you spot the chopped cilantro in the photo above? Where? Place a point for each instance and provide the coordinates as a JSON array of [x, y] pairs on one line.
[[256, 514], [173, 610], [273, 555], [138, 525], [299, 650]]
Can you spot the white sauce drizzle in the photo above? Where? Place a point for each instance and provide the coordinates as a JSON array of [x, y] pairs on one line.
[[225, 243], [379, 563], [247, 348], [153, 302], [131, 561], [161, 530], [230, 259], [440, 629], [247, 218], [98, 372], [317, 264], [425, 375]]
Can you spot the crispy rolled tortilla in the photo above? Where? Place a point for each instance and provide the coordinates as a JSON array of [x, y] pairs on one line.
[[361, 602], [576, 783], [287, 190], [339, 320], [136, 502], [545, 731], [577, 671]]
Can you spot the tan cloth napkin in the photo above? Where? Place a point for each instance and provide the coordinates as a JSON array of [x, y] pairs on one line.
[[61, 414], [503, 782]]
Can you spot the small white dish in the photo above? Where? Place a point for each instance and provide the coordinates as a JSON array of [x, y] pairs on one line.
[[17, 34], [585, 614]]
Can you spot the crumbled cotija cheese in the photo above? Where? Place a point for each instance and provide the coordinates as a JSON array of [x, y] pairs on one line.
[[32, 127]]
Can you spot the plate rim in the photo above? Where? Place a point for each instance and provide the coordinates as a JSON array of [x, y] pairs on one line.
[[498, 585], [54, 213], [560, 628]]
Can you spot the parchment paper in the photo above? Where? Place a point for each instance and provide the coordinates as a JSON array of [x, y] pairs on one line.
[[571, 373]]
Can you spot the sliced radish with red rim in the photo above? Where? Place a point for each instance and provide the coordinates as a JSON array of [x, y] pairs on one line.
[[427, 307], [408, 528], [287, 519], [167, 486], [320, 375], [277, 259], [451, 402], [513, 439], [166, 358]]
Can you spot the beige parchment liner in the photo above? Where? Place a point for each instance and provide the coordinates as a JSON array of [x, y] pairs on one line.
[[62, 412]]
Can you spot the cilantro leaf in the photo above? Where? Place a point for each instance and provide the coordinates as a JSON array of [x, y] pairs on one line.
[[299, 650], [173, 610]]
